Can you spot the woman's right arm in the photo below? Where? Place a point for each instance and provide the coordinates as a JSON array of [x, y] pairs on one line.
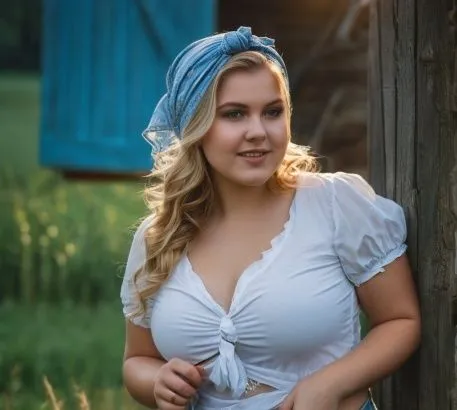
[[150, 379], [142, 361]]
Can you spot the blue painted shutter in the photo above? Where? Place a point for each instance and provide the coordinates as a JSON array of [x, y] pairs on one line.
[[104, 65]]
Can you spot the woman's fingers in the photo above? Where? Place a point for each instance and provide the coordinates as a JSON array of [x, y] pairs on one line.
[[187, 371], [288, 403], [201, 370], [178, 385], [163, 405], [167, 399], [177, 382]]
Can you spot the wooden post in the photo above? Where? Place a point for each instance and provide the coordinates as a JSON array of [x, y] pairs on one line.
[[413, 159]]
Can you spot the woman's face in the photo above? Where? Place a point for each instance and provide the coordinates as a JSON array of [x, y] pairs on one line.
[[248, 138]]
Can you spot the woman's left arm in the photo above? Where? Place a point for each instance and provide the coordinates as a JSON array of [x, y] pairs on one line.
[[390, 302]]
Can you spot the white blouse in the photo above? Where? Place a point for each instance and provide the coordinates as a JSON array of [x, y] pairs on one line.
[[294, 310]]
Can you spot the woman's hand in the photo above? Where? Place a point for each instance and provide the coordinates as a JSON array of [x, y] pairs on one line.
[[311, 394], [176, 383]]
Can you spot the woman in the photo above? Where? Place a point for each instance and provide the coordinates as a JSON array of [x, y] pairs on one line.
[[243, 287]]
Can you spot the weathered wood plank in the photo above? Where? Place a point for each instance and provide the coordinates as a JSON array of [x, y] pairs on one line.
[[413, 158], [406, 381], [435, 156], [387, 26]]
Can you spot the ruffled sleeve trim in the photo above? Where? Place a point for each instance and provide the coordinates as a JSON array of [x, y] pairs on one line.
[[379, 264]]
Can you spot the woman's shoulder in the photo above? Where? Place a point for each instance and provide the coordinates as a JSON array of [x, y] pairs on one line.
[[333, 181], [129, 289], [328, 177], [332, 191], [137, 254], [143, 225]]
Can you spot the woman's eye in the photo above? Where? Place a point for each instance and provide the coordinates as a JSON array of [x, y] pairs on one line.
[[274, 112], [233, 115]]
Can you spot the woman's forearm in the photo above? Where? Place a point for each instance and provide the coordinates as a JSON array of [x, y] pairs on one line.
[[139, 375], [384, 350]]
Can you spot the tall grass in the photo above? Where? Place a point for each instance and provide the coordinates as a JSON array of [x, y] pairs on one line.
[[62, 249], [70, 345], [63, 246], [63, 242], [106, 400], [78, 400]]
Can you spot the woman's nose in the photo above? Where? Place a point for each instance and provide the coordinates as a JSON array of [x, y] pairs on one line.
[[256, 129]]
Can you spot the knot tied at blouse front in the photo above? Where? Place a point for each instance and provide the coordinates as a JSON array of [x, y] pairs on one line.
[[228, 371]]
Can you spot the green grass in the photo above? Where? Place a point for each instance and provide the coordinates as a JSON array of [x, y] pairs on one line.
[[64, 241], [65, 343], [63, 246], [19, 122], [62, 251], [60, 240], [71, 345]]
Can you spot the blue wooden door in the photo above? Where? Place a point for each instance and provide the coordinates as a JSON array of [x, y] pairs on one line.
[[104, 66]]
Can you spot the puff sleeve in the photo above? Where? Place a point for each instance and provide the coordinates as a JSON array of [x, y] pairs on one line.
[[370, 230], [129, 294]]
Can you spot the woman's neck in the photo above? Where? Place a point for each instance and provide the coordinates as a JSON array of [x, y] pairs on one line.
[[233, 200]]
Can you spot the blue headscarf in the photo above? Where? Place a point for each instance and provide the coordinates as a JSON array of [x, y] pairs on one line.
[[190, 75]]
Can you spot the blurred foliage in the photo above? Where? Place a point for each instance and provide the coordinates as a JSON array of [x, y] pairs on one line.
[[69, 343], [19, 121], [20, 34], [64, 242], [72, 346], [63, 246]]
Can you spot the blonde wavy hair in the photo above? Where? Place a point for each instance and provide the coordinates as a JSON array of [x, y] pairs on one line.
[[182, 194]]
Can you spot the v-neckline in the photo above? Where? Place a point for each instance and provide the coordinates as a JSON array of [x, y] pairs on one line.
[[260, 264]]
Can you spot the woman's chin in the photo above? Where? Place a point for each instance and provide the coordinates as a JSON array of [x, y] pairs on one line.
[[253, 181]]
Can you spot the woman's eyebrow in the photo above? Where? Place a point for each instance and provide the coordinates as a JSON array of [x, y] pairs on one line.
[[241, 105]]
